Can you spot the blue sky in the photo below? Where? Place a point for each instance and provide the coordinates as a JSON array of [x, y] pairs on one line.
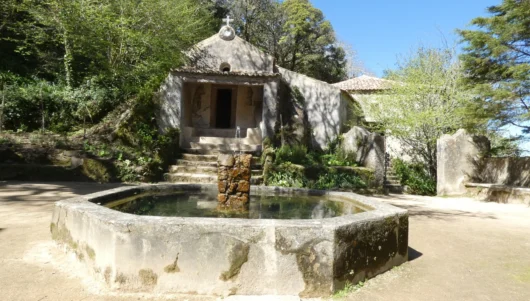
[[381, 30]]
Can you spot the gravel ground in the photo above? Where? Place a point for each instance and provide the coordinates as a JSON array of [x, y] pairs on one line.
[[460, 249]]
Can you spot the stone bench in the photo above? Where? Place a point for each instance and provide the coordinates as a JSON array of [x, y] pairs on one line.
[[499, 193]]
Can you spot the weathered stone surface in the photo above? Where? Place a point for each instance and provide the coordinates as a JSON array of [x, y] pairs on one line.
[[214, 256], [222, 198], [225, 160], [245, 161], [369, 149], [232, 188], [243, 186], [457, 158], [222, 173], [234, 179], [509, 171], [222, 185]]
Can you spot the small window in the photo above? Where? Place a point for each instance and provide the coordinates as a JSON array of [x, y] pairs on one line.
[[225, 67]]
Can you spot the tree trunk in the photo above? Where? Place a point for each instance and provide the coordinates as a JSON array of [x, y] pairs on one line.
[[42, 111], [2, 109], [68, 59]]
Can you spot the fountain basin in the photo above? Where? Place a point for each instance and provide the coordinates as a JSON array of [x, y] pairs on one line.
[[225, 256]]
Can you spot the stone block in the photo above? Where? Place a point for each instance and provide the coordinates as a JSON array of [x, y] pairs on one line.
[[222, 185], [369, 149], [243, 186], [232, 188], [225, 160], [222, 174], [245, 161], [457, 158], [221, 198]]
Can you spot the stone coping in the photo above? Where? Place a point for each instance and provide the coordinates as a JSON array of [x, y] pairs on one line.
[[498, 187], [92, 204], [227, 256]]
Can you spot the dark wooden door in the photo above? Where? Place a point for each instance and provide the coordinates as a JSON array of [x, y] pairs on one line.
[[224, 108]]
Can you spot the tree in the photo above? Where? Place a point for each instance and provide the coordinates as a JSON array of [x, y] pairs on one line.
[[497, 62], [123, 47], [294, 32], [426, 100]]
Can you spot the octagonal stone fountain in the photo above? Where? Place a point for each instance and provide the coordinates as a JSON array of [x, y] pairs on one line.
[[172, 238]]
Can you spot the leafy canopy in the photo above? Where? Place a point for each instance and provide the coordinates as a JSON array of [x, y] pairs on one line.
[[497, 63], [426, 99], [294, 32]]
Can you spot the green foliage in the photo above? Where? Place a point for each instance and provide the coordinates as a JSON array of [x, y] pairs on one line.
[[294, 32], [338, 180], [348, 289], [296, 154], [415, 177], [73, 61], [314, 177], [335, 155], [287, 175], [497, 61], [426, 100], [503, 146]]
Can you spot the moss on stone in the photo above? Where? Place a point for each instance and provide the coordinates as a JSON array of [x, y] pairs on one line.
[[173, 268], [61, 234], [90, 252], [96, 170], [107, 274], [148, 277], [238, 257], [120, 278]]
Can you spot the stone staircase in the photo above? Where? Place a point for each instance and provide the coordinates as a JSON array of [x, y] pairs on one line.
[[215, 141], [202, 168], [392, 184]]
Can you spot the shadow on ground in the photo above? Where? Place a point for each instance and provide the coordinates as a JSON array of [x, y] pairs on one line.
[[414, 254], [41, 194]]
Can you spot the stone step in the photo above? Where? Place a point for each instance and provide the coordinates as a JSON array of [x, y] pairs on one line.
[[393, 188], [227, 133], [182, 177], [201, 151], [190, 178], [203, 169], [210, 158], [392, 182], [226, 147], [202, 158], [392, 178], [182, 162], [222, 140], [196, 163]]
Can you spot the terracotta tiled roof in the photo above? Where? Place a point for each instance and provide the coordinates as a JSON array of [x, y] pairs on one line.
[[364, 83]]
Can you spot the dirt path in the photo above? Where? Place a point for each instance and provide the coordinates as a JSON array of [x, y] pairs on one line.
[[460, 250]]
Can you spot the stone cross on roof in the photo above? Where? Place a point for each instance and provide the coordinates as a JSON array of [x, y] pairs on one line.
[[227, 20]]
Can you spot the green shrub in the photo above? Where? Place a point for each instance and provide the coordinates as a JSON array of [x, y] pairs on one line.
[[314, 177], [296, 154], [286, 175], [338, 180], [415, 177]]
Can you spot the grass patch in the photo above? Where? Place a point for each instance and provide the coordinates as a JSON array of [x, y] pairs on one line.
[[347, 290]]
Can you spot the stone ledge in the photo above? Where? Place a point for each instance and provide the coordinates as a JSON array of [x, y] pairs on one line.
[[222, 256], [499, 193]]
